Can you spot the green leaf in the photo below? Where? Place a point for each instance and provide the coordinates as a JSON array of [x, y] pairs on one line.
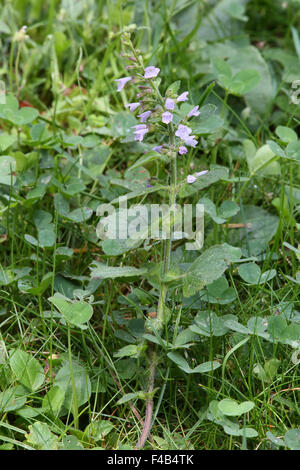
[[244, 81], [264, 162], [70, 443], [81, 380], [286, 134], [206, 367], [10, 401], [6, 140], [102, 271], [216, 173], [230, 407], [292, 439], [7, 168], [260, 97], [180, 362], [223, 71], [128, 397], [127, 351], [207, 268], [260, 227], [76, 313], [207, 323], [250, 272], [24, 116], [27, 370], [53, 401], [98, 429], [41, 438]]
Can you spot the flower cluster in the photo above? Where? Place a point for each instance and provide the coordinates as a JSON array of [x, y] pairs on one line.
[[153, 108], [166, 110]]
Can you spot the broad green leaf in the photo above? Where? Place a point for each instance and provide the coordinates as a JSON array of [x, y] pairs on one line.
[[230, 407], [259, 228], [250, 272], [98, 429], [286, 134], [102, 271], [292, 439], [207, 268], [41, 438], [127, 351], [223, 71], [180, 362], [53, 401], [244, 81], [76, 313], [264, 162], [7, 169], [82, 384], [216, 173], [206, 367], [207, 323], [27, 369], [10, 401], [6, 140], [70, 442], [260, 97]]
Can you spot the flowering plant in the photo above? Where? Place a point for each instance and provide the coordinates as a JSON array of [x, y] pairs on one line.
[[153, 108], [161, 116]]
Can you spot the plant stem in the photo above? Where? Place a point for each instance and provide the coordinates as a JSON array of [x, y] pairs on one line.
[[149, 403], [160, 317], [74, 396]]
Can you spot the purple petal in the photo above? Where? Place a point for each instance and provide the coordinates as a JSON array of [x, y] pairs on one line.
[[158, 148], [132, 106], [194, 112], [144, 116], [122, 82], [191, 179], [170, 104], [167, 117], [151, 72], [201, 173], [140, 131], [183, 96], [191, 141], [139, 127], [183, 132], [182, 150]]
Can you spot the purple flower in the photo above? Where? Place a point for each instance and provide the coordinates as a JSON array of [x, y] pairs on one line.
[[151, 72], [191, 179], [191, 141], [122, 82], [157, 148], [183, 96], [167, 117], [144, 116], [169, 104], [182, 150], [140, 131], [201, 173], [194, 112], [183, 132], [132, 106], [140, 126]]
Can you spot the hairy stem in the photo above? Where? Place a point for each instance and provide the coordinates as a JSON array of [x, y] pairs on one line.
[[161, 317], [149, 404]]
